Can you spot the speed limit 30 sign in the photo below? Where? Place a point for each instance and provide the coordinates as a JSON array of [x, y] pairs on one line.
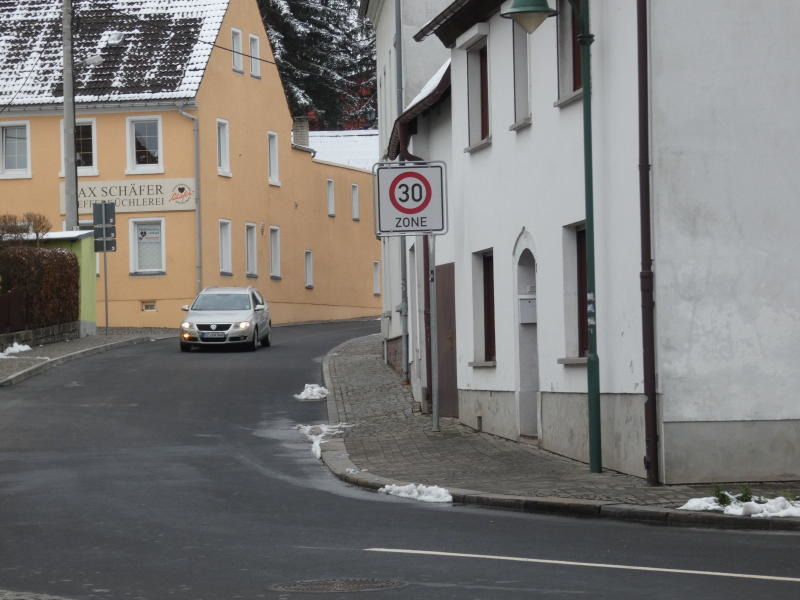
[[410, 198]]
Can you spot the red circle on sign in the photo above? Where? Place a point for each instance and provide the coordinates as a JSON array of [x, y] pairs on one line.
[[407, 193]]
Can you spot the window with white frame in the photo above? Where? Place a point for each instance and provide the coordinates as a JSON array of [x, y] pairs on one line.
[[145, 143], [275, 252], [576, 316], [331, 198], [225, 266], [522, 105], [223, 148], [255, 56], [478, 92], [483, 307], [569, 53], [85, 147], [272, 164], [15, 151], [147, 247], [309, 269], [356, 201], [376, 277], [251, 266], [236, 46]]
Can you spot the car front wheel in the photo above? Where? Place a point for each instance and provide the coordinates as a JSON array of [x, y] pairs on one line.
[[253, 345]]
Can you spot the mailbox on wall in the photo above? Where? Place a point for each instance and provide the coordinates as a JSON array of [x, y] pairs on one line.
[[527, 309]]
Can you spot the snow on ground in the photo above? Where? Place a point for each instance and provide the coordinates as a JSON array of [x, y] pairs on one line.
[[758, 507], [14, 349], [416, 491], [312, 391], [317, 434]]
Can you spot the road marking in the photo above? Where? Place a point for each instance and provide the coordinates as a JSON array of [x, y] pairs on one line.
[[584, 564]]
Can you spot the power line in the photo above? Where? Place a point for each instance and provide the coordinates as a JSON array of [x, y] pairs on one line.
[[5, 107]]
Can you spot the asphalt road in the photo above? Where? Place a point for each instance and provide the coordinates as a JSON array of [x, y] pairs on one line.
[[149, 474]]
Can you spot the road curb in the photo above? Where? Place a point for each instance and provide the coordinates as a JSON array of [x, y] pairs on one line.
[[52, 362], [335, 456]]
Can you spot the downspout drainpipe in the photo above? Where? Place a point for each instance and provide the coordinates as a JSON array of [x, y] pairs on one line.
[[646, 275], [198, 222], [403, 308]]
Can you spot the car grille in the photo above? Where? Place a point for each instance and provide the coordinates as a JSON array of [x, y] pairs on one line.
[[218, 327]]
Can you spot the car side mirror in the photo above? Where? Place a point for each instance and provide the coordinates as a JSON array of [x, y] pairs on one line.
[[185, 307], [260, 307]]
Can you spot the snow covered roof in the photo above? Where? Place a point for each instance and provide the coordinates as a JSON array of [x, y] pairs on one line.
[[352, 148], [150, 49]]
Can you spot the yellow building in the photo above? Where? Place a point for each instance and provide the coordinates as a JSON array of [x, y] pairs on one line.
[[183, 124]]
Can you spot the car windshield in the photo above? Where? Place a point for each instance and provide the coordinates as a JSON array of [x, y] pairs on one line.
[[222, 302]]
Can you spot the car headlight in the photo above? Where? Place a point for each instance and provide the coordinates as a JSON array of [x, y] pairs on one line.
[[187, 325], [244, 325]]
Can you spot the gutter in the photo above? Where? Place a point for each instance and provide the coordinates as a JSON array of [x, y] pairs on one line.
[[198, 222], [646, 274]]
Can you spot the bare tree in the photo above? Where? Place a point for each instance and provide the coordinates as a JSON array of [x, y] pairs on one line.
[[38, 224]]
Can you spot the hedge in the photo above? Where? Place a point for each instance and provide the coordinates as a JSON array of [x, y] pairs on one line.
[[48, 280]]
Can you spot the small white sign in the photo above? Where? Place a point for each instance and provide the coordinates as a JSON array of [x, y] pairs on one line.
[[410, 198]]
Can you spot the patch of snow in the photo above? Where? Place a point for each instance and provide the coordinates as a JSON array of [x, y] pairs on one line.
[[416, 491], [429, 86], [14, 348], [317, 434], [312, 391], [759, 507]]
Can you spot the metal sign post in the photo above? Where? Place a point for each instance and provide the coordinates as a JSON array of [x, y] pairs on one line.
[[105, 240], [411, 199]]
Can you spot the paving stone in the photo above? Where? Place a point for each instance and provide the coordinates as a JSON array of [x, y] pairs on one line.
[[391, 439]]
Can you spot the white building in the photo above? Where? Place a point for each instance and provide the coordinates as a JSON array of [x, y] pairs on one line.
[[721, 135], [403, 66]]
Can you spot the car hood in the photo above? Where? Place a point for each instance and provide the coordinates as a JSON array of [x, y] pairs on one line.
[[219, 316]]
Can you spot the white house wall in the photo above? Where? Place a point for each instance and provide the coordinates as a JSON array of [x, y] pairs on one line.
[[725, 175]]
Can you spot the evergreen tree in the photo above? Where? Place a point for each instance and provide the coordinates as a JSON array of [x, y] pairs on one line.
[[326, 57]]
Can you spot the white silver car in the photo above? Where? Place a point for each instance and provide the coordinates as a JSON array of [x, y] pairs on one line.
[[227, 315]]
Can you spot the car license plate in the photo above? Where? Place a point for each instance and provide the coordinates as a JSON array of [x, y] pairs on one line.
[[213, 334]]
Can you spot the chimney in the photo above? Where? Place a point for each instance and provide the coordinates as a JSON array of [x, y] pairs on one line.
[[300, 131]]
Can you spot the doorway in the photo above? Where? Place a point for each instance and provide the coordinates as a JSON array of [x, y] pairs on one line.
[[528, 345]]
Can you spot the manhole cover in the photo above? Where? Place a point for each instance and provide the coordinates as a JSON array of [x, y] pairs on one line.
[[339, 585]]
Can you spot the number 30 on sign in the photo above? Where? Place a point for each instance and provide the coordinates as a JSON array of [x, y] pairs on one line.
[[410, 198]]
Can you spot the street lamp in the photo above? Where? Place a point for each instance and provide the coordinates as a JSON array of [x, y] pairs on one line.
[[529, 14]]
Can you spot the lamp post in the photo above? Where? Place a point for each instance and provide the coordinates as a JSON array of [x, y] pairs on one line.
[[529, 14], [70, 167]]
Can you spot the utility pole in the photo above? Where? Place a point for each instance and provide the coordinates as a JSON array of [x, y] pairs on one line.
[[70, 167]]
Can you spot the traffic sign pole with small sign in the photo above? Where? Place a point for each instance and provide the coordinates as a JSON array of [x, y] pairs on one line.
[[105, 239], [411, 199]]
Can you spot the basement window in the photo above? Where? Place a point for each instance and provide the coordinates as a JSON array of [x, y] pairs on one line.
[[148, 306]]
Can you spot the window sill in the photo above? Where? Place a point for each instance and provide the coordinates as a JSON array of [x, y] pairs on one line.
[[222, 173], [226, 273], [484, 143], [252, 275], [356, 219], [275, 277], [238, 71], [569, 99], [309, 287], [147, 273], [483, 364], [16, 175], [255, 76], [573, 361], [275, 182], [83, 172], [153, 171], [332, 215], [519, 125]]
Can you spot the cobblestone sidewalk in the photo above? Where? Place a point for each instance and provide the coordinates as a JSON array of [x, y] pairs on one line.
[[389, 441]]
